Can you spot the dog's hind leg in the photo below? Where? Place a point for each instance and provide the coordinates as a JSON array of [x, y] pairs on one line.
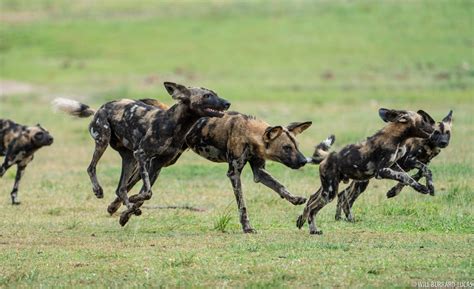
[[101, 132], [313, 230], [142, 196], [344, 197], [358, 188], [262, 176], [128, 167], [14, 193], [327, 193], [313, 199]]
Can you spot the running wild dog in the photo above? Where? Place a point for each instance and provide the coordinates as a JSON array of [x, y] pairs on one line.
[[145, 135], [238, 139], [18, 143], [419, 154], [371, 158]]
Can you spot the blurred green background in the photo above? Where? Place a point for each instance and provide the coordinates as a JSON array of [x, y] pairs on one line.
[[332, 62]]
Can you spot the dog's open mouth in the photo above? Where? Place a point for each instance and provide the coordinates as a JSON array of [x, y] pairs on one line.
[[214, 112]]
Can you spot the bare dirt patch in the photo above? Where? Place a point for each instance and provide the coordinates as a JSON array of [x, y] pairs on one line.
[[9, 87]]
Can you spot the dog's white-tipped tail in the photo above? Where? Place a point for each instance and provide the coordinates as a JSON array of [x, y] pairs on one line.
[[72, 107], [322, 150]]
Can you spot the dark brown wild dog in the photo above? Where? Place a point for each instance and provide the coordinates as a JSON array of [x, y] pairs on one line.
[[145, 135], [372, 158], [18, 143], [237, 139], [419, 154]]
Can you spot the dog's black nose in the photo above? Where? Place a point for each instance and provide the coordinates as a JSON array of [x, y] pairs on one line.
[[302, 162], [443, 144], [226, 105]]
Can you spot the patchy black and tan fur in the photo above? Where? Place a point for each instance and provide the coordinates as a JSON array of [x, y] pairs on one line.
[[147, 137], [419, 154], [18, 143], [238, 139], [371, 158]]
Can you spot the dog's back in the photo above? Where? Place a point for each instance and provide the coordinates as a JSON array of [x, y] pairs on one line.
[[213, 137]]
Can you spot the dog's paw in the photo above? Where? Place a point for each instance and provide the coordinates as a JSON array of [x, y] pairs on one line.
[[297, 200], [300, 222], [249, 230], [315, 232], [423, 189], [392, 193], [124, 217], [98, 192], [431, 190], [112, 208], [137, 212]]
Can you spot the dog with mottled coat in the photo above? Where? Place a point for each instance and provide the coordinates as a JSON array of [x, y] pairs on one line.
[[371, 158], [18, 144], [147, 137], [238, 139], [419, 154]]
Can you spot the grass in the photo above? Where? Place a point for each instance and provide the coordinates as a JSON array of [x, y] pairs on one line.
[[332, 62]]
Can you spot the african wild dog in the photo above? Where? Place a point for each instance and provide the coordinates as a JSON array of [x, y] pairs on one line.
[[237, 139], [145, 135], [18, 143], [419, 153], [371, 158]]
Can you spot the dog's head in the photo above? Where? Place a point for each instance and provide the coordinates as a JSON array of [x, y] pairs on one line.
[[414, 124], [442, 134], [281, 145], [38, 136], [202, 101]]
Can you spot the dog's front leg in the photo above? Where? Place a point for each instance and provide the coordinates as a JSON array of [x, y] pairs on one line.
[[14, 193], [235, 169], [426, 172], [395, 190], [262, 176], [402, 177]]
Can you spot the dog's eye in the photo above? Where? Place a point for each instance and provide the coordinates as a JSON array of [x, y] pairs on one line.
[[39, 135], [208, 95], [287, 148]]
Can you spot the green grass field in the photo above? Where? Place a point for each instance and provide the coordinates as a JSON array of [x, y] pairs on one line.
[[332, 62]]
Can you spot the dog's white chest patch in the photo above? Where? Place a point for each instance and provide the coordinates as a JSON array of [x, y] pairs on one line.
[[400, 152]]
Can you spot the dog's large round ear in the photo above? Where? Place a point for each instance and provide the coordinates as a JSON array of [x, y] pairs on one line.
[[177, 91], [449, 117], [272, 133], [426, 117], [298, 127], [392, 115]]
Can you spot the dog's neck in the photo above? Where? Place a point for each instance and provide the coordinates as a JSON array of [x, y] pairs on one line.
[[182, 114]]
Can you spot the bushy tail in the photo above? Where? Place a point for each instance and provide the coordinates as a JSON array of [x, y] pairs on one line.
[[72, 107], [155, 103], [322, 150]]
